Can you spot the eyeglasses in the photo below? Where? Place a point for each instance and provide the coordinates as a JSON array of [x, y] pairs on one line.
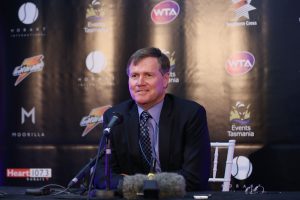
[[259, 189]]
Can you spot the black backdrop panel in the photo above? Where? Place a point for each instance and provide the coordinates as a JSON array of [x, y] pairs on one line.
[[236, 58]]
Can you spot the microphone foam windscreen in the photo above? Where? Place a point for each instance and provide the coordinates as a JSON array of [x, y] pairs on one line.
[[133, 185], [170, 185]]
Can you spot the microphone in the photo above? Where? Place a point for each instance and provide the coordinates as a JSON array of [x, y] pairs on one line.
[[85, 170], [132, 186], [150, 188], [170, 185], [116, 119]]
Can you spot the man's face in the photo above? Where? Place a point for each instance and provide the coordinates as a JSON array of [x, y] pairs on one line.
[[146, 83]]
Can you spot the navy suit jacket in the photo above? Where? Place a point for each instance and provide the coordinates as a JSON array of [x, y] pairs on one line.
[[184, 145]]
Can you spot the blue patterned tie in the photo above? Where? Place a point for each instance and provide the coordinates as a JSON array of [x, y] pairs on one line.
[[145, 142]]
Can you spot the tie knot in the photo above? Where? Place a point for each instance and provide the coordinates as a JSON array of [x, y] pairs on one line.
[[144, 117]]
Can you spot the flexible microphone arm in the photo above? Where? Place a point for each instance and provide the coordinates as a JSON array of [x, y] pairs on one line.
[[85, 170]]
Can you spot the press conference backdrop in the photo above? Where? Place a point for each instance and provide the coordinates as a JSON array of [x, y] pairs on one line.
[[63, 63]]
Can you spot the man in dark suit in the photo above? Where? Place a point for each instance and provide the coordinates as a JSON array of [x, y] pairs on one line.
[[177, 128]]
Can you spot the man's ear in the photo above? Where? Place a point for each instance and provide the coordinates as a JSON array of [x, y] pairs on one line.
[[166, 77]]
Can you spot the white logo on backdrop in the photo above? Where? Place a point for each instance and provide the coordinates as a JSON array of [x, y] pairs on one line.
[[242, 8], [29, 114], [28, 13], [95, 62], [241, 168]]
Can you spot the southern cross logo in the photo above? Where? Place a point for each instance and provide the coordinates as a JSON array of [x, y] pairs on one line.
[[93, 119], [242, 8], [29, 65]]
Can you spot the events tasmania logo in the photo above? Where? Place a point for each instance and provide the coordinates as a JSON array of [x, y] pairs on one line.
[[95, 17], [173, 77], [165, 12], [28, 66], [240, 10], [239, 63], [240, 121]]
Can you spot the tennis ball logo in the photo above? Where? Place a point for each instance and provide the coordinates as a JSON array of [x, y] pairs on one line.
[[241, 168], [28, 13], [95, 62]]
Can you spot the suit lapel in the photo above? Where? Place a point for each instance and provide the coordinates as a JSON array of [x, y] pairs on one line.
[[132, 129], [165, 132]]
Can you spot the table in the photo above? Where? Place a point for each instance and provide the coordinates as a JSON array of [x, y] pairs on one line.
[[18, 193]]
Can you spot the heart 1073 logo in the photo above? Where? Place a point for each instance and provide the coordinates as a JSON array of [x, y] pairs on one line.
[[240, 63], [165, 12]]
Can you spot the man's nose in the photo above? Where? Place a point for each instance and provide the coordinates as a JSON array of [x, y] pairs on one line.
[[141, 80]]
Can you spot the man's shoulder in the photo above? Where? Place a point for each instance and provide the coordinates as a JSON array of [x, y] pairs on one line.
[[184, 103], [184, 108], [122, 107]]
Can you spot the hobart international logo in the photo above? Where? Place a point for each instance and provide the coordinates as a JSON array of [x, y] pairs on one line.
[[240, 121], [95, 61], [240, 63], [28, 66], [165, 12], [241, 167], [93, 119], [28, 13]]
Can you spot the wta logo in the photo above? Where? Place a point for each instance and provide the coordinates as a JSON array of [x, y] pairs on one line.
[[28, 66], [165, 12], [240, 63]]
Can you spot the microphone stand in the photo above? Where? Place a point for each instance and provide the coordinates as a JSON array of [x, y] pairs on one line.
[[107, 193], [107, 161], [82, 173]]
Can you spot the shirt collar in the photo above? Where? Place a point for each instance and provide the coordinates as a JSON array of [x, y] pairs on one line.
[[153, 111]]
